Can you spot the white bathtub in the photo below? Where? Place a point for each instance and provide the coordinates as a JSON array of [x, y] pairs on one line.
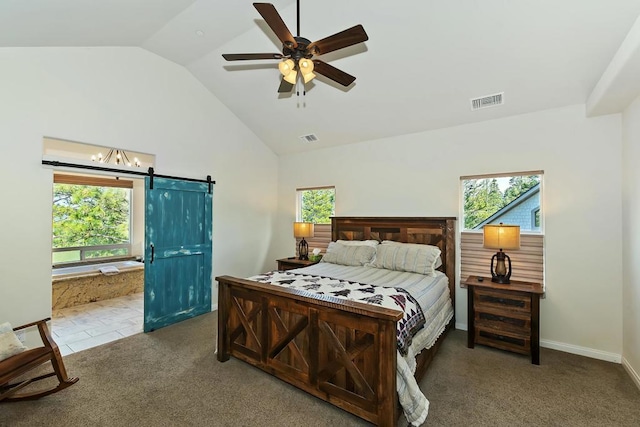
[[89, 269]]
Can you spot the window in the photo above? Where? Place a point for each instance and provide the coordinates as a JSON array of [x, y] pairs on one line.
[[91, 218], [513, 199], [535, 218], [316, 205], [510, 199]]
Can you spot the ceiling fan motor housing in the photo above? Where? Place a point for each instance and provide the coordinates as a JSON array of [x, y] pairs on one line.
[[299, 51]]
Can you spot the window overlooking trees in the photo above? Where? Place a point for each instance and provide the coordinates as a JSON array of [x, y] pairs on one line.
[[512, 199], [90, 220], [316, 205]]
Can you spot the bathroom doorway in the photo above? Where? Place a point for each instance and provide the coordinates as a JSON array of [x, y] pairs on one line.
[[97, 245]]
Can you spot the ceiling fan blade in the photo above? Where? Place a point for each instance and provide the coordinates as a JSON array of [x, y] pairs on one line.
[[332, 73], [346, 38], [251, 56], [275, 22], [285, 86]]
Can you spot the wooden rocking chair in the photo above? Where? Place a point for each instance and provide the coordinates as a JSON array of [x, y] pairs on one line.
[[18, 365]]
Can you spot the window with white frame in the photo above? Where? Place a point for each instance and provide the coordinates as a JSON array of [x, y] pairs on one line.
[[316, 205], [510, 199]]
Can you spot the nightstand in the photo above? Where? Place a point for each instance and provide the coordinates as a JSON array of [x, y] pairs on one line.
[[290, 263], [504, 316]]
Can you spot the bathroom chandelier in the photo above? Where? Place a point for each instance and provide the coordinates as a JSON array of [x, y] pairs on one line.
[[119, 158]]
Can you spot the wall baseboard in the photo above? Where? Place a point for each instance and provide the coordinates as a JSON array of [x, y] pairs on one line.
[[632, 373], [582, 351], [214, 307], [570, 348], [461, 326]]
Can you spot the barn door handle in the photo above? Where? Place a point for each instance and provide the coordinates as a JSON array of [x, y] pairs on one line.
[[153, 253]]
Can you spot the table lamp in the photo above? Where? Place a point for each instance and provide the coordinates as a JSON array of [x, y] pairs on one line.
[[300, 231], [500, 236]]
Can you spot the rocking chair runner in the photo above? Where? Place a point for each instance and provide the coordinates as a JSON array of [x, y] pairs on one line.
[[21, 363]]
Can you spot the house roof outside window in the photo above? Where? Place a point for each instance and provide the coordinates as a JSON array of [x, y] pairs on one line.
[[521, 211]]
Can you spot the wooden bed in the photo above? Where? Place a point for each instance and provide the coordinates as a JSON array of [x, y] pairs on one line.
[[341, 351]]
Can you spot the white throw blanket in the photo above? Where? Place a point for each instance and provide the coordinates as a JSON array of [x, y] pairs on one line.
[[414, 403]]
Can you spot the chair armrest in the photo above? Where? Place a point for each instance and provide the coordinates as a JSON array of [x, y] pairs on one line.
[[43, 329], [17, 328]]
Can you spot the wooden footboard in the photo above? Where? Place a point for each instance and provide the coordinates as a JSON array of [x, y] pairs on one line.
[[341, 351]]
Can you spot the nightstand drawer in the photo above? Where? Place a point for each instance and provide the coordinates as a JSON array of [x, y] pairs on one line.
[[502, 300], [503, 340], [516, 322]]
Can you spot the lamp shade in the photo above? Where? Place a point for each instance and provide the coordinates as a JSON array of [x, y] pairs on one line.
[[305, 66], [286, 66], [291, 77], [500, 236], [302, 229]]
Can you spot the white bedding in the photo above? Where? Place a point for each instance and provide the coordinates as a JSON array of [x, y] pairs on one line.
[[431, 292]]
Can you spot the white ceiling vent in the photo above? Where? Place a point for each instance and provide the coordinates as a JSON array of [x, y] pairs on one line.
[[309, 138], [487, 101]]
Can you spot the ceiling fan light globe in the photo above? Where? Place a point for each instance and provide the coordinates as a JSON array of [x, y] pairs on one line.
[[291, 77], [306, 65], [286, 67], [308, 77]]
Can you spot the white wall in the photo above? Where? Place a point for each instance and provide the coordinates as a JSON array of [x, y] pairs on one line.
[[631, 240], [418, 175], [137, 222], [132, 99]]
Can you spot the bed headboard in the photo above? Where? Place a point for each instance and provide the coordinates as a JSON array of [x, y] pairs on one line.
[[436, 231]]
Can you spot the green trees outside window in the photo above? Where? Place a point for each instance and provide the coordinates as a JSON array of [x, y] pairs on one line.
[[486, 196], [316, 205], [89, 217]]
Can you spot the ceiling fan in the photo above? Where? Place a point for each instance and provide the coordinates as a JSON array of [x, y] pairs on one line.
[[298, 52]]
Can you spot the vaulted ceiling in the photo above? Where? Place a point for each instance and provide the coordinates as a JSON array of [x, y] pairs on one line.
[[423, 62]]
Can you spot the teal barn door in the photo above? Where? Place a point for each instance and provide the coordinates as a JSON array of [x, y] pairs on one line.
[[178, 248]]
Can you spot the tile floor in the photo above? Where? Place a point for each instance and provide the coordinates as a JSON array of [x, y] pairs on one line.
[[90, 325]]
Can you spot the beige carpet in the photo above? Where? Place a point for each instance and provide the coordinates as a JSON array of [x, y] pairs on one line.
[[171, 378]]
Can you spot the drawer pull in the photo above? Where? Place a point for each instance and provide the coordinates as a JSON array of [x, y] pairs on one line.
[[503, 319], [503, 301], [493, 317], [510, 340]]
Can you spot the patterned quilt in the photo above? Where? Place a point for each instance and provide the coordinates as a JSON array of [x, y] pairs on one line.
[[394, 298]]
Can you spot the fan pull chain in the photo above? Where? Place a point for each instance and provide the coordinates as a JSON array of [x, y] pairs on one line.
[[304, 93]]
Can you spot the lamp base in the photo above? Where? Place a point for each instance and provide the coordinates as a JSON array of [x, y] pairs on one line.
[[303, 250], [500, 274], [500, 279]]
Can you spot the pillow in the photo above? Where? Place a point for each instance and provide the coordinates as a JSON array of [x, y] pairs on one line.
[[438, 260], [372, 243], [10, 345], [354, 255], [411, 257]]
